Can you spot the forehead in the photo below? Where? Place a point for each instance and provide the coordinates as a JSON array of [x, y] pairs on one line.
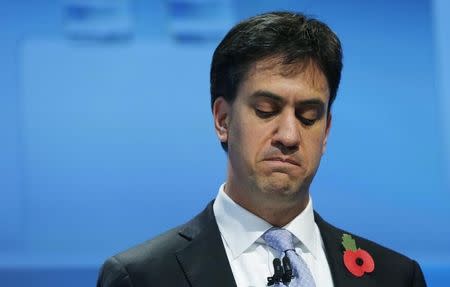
[[300, 80]]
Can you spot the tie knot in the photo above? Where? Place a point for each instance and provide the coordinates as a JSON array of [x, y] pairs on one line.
[[279, 239]]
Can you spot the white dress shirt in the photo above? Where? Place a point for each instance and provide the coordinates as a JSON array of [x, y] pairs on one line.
[[251, 259]]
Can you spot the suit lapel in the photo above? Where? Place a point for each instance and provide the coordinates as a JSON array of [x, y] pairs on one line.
[[204, 260], [332, 238]]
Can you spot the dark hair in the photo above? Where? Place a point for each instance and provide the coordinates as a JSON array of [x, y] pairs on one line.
[[292, 37]]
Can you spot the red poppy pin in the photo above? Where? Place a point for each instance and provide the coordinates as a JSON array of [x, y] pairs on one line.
[[358, 261]]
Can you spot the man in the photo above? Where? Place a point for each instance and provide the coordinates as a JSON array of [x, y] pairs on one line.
[[274, 78]]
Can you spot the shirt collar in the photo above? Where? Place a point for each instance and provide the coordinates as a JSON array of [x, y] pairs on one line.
[[305, 230], [240, 228]]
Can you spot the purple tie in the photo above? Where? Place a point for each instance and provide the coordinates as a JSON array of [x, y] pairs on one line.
[[282, 240]]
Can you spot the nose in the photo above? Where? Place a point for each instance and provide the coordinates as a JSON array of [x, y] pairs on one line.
[[287, 134]]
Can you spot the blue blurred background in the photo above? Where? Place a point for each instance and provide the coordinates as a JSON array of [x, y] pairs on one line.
[[106, 127]]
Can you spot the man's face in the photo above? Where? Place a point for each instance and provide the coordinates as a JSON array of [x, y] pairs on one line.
[[277, 128]]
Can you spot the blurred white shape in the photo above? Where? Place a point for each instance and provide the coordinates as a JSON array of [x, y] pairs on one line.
[[103, 20], [199, 20], [441, 10]]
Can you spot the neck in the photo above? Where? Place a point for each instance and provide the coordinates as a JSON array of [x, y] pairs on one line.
[[276, 209]]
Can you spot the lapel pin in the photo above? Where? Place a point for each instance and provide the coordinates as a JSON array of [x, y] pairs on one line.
[[358, 261]]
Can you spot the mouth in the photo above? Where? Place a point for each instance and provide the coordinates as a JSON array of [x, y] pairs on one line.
[[284, 160]]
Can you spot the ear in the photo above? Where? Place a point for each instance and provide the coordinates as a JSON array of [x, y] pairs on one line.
[[221, 113], [327, 132]]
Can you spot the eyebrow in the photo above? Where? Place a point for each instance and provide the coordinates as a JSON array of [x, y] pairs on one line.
[[277, 98]]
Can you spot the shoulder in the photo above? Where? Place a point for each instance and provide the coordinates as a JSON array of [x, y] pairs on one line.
[[390, 265], [142, 264], [153, 260], [332, 232], [159, 247]]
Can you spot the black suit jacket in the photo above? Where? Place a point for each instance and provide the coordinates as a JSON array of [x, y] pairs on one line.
[[193, 255]]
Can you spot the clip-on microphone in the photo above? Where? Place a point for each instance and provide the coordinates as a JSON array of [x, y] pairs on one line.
[[282, 273], [278, 273]]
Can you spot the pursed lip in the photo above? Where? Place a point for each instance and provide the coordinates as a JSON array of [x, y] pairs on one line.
[[284, 159]]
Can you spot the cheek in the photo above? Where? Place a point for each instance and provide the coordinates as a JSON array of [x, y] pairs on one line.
[[251, 142], [249, 138], [314, 146]]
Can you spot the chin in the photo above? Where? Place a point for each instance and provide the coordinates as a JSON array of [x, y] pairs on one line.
[[278, 185]]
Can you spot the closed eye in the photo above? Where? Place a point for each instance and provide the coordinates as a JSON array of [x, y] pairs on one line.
[[309, 116], [264, 114], [307, 122]]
